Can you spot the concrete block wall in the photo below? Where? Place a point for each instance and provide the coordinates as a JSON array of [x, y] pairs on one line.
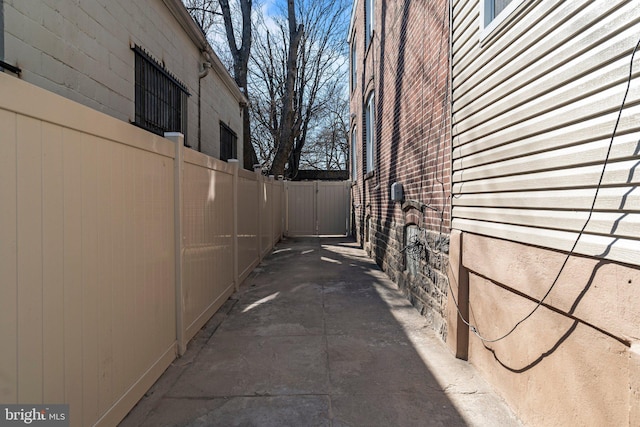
[[406, 66], [82, 51]]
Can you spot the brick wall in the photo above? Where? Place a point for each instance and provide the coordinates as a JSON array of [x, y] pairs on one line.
[[407, 67]]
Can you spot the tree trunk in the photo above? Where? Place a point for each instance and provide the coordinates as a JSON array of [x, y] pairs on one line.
[[287, 132], [240, 68]]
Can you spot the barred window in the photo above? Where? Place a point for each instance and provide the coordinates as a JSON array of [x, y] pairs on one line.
[[161, 99], [228, 143]]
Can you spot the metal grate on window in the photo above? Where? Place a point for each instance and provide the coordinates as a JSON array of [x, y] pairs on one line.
[[161, 99], [228, 143]]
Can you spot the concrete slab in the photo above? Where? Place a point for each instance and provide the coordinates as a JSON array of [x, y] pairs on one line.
[[318, 336], [256, 366], [376, 364], [242, 411], [280, 318], [395, 409]]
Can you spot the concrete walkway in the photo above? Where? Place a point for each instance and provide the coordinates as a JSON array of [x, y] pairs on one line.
[[318, 336]]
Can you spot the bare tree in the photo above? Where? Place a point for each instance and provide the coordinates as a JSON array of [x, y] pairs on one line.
[[289, 118], [327, 145], [290, 97], [241, 56], [297, 67], [203, 12]]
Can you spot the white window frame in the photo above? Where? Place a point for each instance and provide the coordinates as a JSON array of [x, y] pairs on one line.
[[354, 155], [354, 58], [486, 28], [370, 132], [369, 21]]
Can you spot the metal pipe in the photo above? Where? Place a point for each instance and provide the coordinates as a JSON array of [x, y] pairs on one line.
[[206, 66], [12, 68]]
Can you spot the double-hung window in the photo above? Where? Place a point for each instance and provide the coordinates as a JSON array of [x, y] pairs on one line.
[[354, 75], [160, 98], [354, 155], [369, 21], [369, 119]]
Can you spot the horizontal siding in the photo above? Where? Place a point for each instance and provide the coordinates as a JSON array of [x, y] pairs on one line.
[[593, 135], [464, 36], [609, 199], [616, 173], [551, 93], [624, 224], [534, 107], [615, 248]]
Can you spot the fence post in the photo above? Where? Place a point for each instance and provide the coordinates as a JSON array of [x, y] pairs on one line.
[[316, 187], [272, 229], [258, 170], [178, 167], [285, 228], [235, 164], [283, 204], [347, 196]]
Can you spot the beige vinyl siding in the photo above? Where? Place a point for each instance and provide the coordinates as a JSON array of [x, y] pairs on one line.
[[534, 107]]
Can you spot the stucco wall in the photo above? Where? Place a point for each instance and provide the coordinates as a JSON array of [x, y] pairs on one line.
[[571, 362], [82, 50]]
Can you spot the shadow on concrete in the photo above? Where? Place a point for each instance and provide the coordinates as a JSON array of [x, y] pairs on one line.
[[318, 336]]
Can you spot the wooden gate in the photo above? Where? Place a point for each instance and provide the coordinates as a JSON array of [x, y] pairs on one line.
[[317, 208]]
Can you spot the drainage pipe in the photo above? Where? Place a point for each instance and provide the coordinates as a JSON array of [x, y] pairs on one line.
[[206, 66]]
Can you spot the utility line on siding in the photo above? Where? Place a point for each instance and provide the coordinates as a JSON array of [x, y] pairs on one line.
[[474, 328]]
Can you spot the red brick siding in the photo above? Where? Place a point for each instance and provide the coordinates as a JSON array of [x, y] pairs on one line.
[[407, 65]]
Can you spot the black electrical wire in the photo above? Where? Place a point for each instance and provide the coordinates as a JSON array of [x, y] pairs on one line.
[[473, 328]]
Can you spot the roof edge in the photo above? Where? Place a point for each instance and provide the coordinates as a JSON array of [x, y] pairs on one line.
[[181, 14]]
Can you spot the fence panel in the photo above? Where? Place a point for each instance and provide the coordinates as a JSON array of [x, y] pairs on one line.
[[277, 217], [301, 208], [266, 213], [87, 291], [207, 242], [116, 246], [318, 207], [248, 256], [333, 207]]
